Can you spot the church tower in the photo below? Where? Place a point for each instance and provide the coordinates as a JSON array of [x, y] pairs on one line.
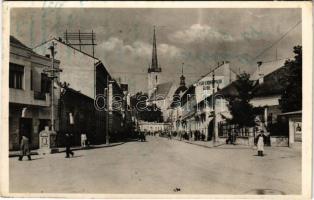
[[154, 71], [182, 78]]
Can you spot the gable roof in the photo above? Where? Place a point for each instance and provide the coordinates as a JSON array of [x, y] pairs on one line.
[[267, 68], [66, 44], [161, 91], [229, 91], [271, 85], [15, 41]]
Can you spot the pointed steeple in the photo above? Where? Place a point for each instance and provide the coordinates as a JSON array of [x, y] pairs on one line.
[[182, 78], [154, 66], [154, 54]]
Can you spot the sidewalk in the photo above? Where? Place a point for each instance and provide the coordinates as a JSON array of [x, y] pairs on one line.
[[209, 144], [76, 148]]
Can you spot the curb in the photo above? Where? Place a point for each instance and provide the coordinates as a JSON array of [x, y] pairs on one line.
[[62, 149], [201, 145]]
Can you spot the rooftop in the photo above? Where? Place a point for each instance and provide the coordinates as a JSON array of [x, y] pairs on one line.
[[161, 91]]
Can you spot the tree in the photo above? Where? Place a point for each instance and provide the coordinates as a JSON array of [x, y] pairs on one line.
[[241, 110], [291, 97]]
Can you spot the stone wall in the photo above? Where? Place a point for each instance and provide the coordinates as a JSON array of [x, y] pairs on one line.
[[279, 141]]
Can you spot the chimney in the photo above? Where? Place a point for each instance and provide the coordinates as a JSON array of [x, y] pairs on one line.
[[260, 74], [261, 78], [226, 71]]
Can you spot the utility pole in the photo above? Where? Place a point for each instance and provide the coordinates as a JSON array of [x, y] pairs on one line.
[[213, 103], [52, 49], [107, 116]]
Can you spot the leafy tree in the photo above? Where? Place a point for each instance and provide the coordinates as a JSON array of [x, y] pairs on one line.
[[291, 97], [241, 110]]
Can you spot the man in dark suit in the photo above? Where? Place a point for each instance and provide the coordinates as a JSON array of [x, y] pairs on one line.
[[25, 151], [68, 145]]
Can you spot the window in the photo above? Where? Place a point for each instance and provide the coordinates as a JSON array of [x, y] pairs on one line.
[[16, 74], [45, 83], [31, 79]]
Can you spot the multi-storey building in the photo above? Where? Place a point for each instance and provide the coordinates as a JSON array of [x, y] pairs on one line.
[[29, 88]]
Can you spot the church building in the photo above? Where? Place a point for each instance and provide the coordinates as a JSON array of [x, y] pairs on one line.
[[160, 93]]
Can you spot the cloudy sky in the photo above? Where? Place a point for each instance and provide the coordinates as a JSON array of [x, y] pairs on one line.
[[198, 37]]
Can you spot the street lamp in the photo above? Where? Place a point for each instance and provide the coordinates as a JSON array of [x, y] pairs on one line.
[[108, 108], [214, 97]]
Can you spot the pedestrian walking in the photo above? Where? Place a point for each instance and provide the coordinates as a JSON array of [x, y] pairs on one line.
[[25, 151], [83, 140], [68, 145], [169, 136]]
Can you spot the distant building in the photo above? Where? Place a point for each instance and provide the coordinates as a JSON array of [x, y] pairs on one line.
[[153, 127], [194, 110], [29, 93], [159, 93]]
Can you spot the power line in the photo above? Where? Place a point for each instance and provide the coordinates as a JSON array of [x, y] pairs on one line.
[[278, 40]]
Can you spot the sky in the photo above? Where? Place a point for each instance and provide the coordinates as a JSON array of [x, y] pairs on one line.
[[199, 38]]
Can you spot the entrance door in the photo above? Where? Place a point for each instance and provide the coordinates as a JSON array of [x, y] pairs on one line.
[[25, 128]]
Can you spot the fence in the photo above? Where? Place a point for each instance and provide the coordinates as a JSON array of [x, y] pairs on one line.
[[224, 130]]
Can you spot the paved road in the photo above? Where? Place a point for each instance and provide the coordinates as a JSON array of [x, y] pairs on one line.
[[159, 166]]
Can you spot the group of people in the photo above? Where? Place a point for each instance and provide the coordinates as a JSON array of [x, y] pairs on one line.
[[232, 137], [198, 136], [259, 140], [25, 144], [142, 136]]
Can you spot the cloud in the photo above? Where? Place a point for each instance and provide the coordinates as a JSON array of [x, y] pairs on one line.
[[170, 50], [138, 48], [199, 32]]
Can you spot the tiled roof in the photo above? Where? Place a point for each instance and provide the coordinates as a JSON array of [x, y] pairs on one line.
[[161, 91], [229, 91], [267, 68], [177, 95], [271, 85]]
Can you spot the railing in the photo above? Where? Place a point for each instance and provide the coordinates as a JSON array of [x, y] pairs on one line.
[[224, 130], [39, 96]]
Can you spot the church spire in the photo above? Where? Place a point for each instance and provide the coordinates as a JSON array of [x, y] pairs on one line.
[[182, 78], [154, 66]]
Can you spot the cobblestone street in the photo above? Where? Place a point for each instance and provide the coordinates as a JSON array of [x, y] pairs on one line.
[[175, 167]]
